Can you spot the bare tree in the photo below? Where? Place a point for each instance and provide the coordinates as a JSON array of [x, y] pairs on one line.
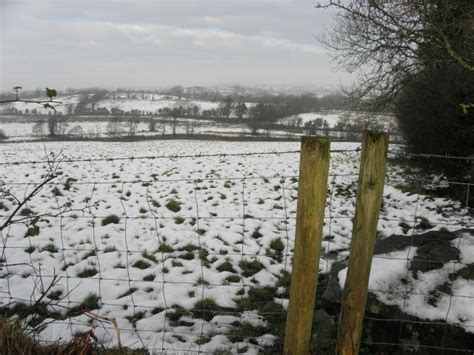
[[240, 109], [386, 41]]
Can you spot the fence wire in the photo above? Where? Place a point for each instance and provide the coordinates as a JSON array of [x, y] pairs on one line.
[[203, 263]]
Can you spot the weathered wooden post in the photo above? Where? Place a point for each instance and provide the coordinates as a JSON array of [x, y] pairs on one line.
[[368, 203], [312, 190]]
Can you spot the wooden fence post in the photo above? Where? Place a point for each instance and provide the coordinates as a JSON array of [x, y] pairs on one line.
[[312, 190], [368, 203]]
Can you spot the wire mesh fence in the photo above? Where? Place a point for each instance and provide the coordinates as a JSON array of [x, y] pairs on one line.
[[201, 261]]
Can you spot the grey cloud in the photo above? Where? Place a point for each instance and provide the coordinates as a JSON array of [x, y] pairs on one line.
[[149, 44]]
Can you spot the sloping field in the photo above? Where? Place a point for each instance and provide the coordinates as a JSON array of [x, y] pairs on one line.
[[194, 253]]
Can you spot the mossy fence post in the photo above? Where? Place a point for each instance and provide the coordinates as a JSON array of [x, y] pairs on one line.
[[312, 190], [368, 203]]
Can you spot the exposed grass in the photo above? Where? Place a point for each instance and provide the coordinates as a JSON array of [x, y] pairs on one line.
[[205, 309], [226, 266], [110, 249], [50, 247], [141, 264], [275, 249], [30, 249], [128, 292], [32, 231], [150, 257], [233, 278], [135, 318], [110, 219], [179, 220], [87, 272], [56, 191], [165, 248], [173, 206], [150, 277], [90, 303], [256, 233], [250, 268]]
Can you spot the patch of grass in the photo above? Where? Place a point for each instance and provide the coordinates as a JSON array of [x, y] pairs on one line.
[[110, 219], [179, 220], [424, 224], [189, 248], [284, 281], [205, 309], [89, 254], [277, 245], [141, 264], [133, 319], [250, 268], [55, 295], [87, 272], [110, 249], [150, 257], [32, 231], [176, 263], [187, 256], [203, 340], [143, 210], [256, 233], [179, 338], [233, 278], [225, 266], [275, 249], [56, 191], [157, 310], [128, 292], [175, 316], [90, 303], [68, 183], [30, 250], [51, 248], [405, 227], [173, 206], [202, 281], [26, 212], [155, 203], [165, 248], [150, 277]]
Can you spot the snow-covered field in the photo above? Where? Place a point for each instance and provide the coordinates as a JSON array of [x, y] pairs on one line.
[[196, 238]]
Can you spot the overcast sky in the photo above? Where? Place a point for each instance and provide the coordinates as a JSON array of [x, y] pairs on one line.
[[150, 44]]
